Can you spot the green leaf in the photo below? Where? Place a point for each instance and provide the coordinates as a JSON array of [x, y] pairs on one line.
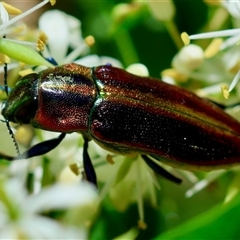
[[221, 222]]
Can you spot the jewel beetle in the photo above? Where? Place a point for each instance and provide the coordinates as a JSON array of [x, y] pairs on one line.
[[125, 114]]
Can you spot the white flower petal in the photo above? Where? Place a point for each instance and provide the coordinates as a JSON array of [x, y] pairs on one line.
[[68, 145], [74, 31], [60, 196], [210, 177], [4, 17], [138, 69], [36, 227], [14, 188], [188, 59], [94, 61], [233, 8], [8, 233], [55, 25], [234, 81]]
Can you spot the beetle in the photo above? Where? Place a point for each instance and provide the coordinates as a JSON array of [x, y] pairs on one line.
[[125, 113]]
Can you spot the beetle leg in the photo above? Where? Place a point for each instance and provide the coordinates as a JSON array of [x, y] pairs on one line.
[[38, 149], [161, 171], [88, 166]]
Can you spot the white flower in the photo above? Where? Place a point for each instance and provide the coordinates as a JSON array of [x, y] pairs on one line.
[[233, 7], [63, 31], [138, 69], [94, 60], [188, 59], [4, 17], [21, 214]]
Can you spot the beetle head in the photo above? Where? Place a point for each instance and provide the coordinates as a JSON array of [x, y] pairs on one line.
[[21, 104]]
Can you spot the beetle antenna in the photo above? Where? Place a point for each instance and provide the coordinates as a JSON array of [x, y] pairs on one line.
[[5, 78], [6, 121], [5, 75], [13, 137]]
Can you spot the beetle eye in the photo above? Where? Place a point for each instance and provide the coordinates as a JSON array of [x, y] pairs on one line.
[[26, 111]]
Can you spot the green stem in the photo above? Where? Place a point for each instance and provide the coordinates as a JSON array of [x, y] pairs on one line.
[[126, 47], [174, 33]]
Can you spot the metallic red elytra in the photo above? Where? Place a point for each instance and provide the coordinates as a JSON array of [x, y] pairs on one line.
[[125, 113]]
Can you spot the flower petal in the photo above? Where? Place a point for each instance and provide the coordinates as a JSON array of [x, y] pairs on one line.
[[55, 26], [94, 60], [60, 196], [36, 227], [4, 17]]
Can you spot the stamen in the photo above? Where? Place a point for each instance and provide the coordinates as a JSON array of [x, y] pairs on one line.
[[109, 159], [225, 91], [40, 46], [234, 82], [75, 53], [216, 34], [4, 58], [74, 168], [173, 73], [141, 223], [90, 40], [213, 48], [11, 9], [13, 20], [43, 37], [203, 183], [52, 2], [25, 72], [231, 41], [185, 38]]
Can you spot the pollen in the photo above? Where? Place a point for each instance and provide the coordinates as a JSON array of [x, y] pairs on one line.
[[176, 75], [90, 40], [142, 225], [41, 42], [4, 58], [52, 2], [225, 91], [213, 3], [235, 68], [25, 72], [10, 9], [43, 37], [185, 38], [213, 48], [40, 45], [110, 159], [74, 168]]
